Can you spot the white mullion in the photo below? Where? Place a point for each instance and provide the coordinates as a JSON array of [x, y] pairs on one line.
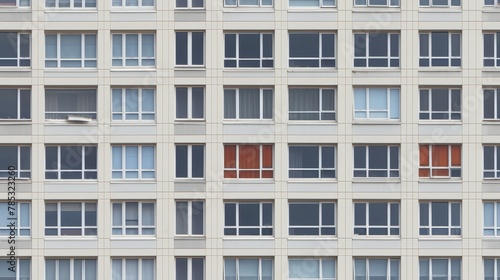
[[261, 43], [367, 152], [320, 159], [124, 218], [259, 275], [82, 225], [261, 159], [189, 272], [139, 47], [123, 97], [124, 161], [189, 161], [388, 155], [237, 219], [58, 162], [189, 102], [495, 98], [139, 161], [449, 269], [389, 213], [320, 107], [450, 53], [189, 48], [237, 50], [495, 53], [429, 218], [320, 215], [139, 218], [495, 167], [58, 46], [82, 172], [124, 48], [59, 213], [237, 103], [237, 152], [57, 269], [320, 47], [189, 219], [261, 218], [495, 223], [18, 47], [261, 103], [71, 269], [18, 103], [82, 44], [450, 96], [367, 218], [429, 48], [449, 218], [139, 104], [124, 269], [388, 49]]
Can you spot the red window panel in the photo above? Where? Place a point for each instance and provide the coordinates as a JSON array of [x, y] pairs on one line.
[[440, 161], [229, 161], [248, 161]]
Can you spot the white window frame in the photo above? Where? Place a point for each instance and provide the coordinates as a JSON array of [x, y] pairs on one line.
[[495, 171], [123, 4], [19, 103], [320, 226], [83, 59], [320, 110], [190, 105], [450, 168], [321, 5], [86, 116], [261, 225], [72, 4], [17, 4], [450, 262], [261, 3], [59, 169], [307, 268], [494, 226], [496, 3], [367, 3], [389, 273], [123, 264], [495, 265], [367, 226], [320, 57], [189, 218], [71, 268], [189, 267], [190, 160], [189, 6], [82, 227], [140, 170], [189, 50], [20, 266], [16, 217], [367, 168], [20, 173], [430, 57], [366, 45], [451, 3], [391, 93], [320, 167], [140, 59], [237, 259], [140, 112], [429, 92], [237, 59], [261, 104], [123, 227], [261, 168], [495, 92], [450, 228], [18, 57], [496, 54]]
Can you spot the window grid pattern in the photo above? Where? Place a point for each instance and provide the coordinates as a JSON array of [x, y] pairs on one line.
[[248, 104], [70, 4], [312, 269], [440, 104], [376, 50], [311, 104], [376, 161], [440, 49], [189, 4], [491, 220], [248, 161], [248, 218], [134, 218], [491, 167], [445, 269], [311, 218], [70, 269], [63, 104], [312, 3], [248, 50], [376, 218], [440, 3], [133, 104], [71, 162], [136, 49], [133, 3], [376, 268], [16, 104], [248, 268], [492, 3], [15, 3], [311, 49], [16, 49], [21, 216], [440, 219], [491, 49], [19, 157], [133, 162], [71, 219], [133, 268], [440, 161], [190, 217], [376, 3], [70, 51], [248, 3], [376, 103], [311, 161]]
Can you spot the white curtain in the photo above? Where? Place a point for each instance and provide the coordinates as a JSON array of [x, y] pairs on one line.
[[71, 45], [230, 269], [90, 269], [132, 213], [116, 267], [303, 269], [304, 100], [148, 45], [64, 270], [229, 103], [440, 268], [378, 269], [148, 269], [359, 269], [248, 269], [132, 157], [50, 269], [117, 214], [148, 214], [181, 217], [249, 103], [132, 269], [328, 268]]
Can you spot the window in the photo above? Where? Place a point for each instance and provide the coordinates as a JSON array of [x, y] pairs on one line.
[[20, 214], [311, 104], [133, 268], [133, 3], [311, 268], [312, 3], [189, 4], [248, 161], [189, 48], [445, 269], [440, 104], [189, 161], [133, 104], [14, 49], [311, 162], [440, 218], [17, 156], [376, 218], [248, 3], [133, 162], [491, 104], [491, 49], [377, 3], [491, 226], [376, 161], [189, 217], [248, 218], [248, 268], [189, 268], [491, 169], [22, 272], [70, 51], [70, 3], [190, 103], [439, 3], [440, 49], [377, 268], [70, 269], [440, 161], [492, 2], [133, 218], [376, 103], [376, 49], [491, 269], [137, 49], [14, 3], [311, 49], [63, 104], [71, 219], [16, 104], [71, 162], [248, 103], [311, 218], [248, 50]]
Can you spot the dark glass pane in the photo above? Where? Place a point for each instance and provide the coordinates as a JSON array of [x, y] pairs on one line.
[[249, 46], [230, 214], [328, 157], [303, 214], [360, 214], [198, 161], [181, 269], [198, 110], [328, 45], [90, 157], [489, 45], [181, 4], [359, 157], [198, 48], [377, 157], [394, 45], [328, 214], [378, 45], [181, 48], [304, 45], [181, 161], [198, 217], [181, 102], [25, 105], [267, 47], [394, 157], [424, 45], [424, 100], [439, 100], [8, 106], [303, 231], [71, 157], [8, 45], [378, 214], [304, 156], [230, 46], [455, 45], [440, 214], [197, 269], [8, 157], [50, 158], [394, 214], [267, 214], [424, 214], [249, 214], [359, 45]]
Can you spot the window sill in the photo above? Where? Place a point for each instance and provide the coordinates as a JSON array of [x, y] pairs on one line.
[[439, 122], [65, 122], [491, 121], [375, 237], [248, 69], [186, 9], [15, 121], [376, 9], [69, 238], [132, 237], [71, 10], [439, 238], [376, 180], [434, 180], [136, 9], [440, 69], [64, 181], [248, 9], [491, 9], [70, 70], [189, 180], [16, 9], [496, 238], [377, 122], [376, 69], [434, 9], [486, 181], [15, 69], [312, 237], [491, 69]]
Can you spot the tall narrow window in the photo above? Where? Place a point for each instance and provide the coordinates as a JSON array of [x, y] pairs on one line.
[[70, 269], [376, 161], [248, 103], [311, 49], [189, 161], [311, 161], [491, 104], [440, 104], [63, 104], [189, 217], [440, 218], [71, 162], [248, 218], [190, 103], [248, 50], [248, 161], [133, 218], [71, 219], [70, 51], [189, 268], [15, 49], [189, 48], [16, 159], [491, 219], [133, 162], [16, 104], [376, 49], [376, 103], [440, 49], [135, 49], [133, 104], [440, 161], [311, 104]]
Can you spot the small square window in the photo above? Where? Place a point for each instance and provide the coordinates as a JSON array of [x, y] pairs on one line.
[[376, 161], [68, 104], [71, 219], [133, 268], [311, 161], [189, 161], [133, 104], [133, 218], [376, 219], [189, 268], [190, 217], [15, 162], [248, 218], [311, 104], [377, 268], [190, 48], [133, 162], [312, 268], [190, 103], [133, 50], [376, 49], [15, 49], [248, 50], [311, 218], [16, 104], [71, 162], [440, 49], [440, 218], [20, 214], [376, 104], [440, 161], [248, 104], [311, 49], [248, 161], [440, 104]]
